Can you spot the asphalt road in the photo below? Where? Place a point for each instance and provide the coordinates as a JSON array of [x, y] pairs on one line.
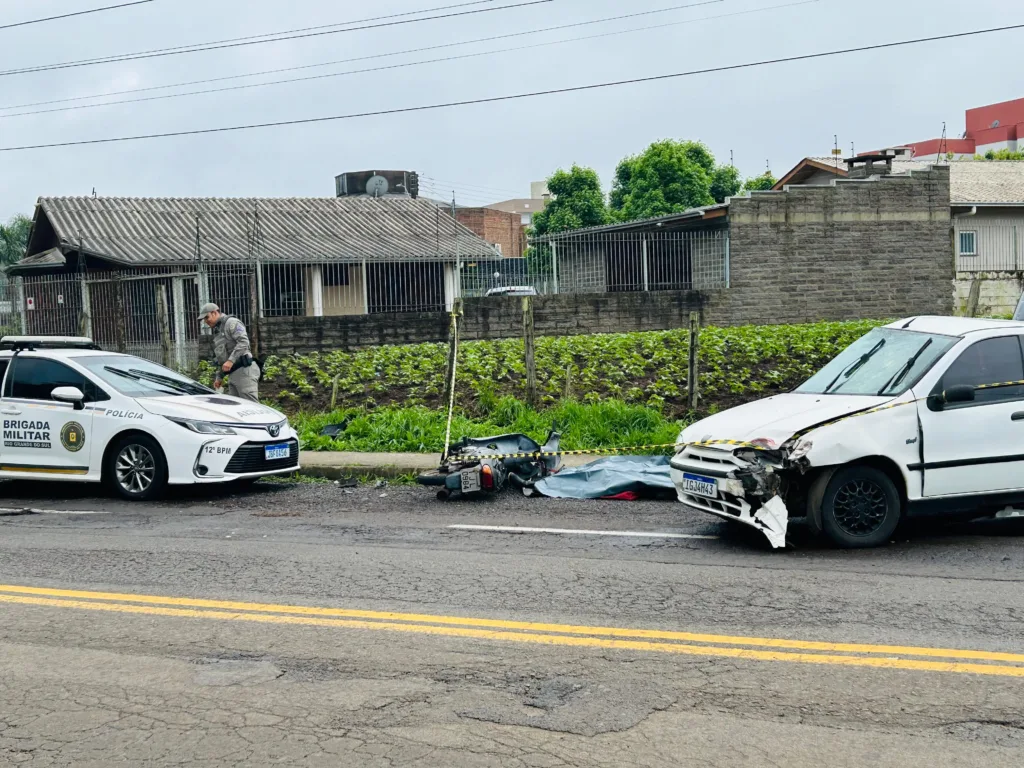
[[310, 625]]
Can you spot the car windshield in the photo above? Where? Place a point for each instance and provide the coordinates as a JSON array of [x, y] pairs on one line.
[[135, 377], [886, 361]]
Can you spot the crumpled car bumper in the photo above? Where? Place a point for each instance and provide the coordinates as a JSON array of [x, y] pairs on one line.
[[744, 492]]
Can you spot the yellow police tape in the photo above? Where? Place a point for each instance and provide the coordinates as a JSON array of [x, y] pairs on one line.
[[677, 447]]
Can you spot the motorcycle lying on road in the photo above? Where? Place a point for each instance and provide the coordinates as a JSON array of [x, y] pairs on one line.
[[486, 465]]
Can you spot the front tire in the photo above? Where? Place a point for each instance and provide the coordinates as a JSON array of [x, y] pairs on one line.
[[136, 468], [861, 507]]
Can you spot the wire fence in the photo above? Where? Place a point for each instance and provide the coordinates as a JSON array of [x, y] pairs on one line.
[[152, 312]]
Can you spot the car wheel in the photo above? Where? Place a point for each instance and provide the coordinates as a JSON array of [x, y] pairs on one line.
[[860, 507], [136, 468]]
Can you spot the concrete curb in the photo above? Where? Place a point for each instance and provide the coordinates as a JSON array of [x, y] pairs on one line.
[[335, 466]]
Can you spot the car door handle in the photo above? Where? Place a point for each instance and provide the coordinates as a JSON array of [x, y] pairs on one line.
[[11, 411], [1017, 416]]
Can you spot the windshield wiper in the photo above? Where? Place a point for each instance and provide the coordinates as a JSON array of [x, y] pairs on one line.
[[183, 386], [907, 367], [141, 376], [852, 369]]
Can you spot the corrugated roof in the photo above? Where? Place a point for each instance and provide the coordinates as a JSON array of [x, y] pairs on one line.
[[519, 205], [150, 231], [45, 260], [635, 224]]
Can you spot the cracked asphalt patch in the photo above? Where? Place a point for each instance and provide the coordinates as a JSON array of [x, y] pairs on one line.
[[88, 688]]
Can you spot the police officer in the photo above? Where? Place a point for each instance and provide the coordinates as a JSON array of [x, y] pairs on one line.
[[233, 353]]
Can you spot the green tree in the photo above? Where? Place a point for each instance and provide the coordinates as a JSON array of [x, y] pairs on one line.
[[764, 181], [668, 177], [1001, 154], [577, 201], [725, 182], [14, 239]]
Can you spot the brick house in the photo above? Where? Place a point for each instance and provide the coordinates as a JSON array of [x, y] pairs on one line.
[[500, 228]]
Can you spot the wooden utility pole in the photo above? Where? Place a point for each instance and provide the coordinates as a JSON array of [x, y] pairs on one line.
[[691, 372], [163, 321], [530, 350]]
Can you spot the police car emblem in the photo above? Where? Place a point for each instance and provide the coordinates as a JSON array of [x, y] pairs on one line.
[[72, 437]]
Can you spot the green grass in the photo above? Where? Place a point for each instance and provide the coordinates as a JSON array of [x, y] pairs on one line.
[[421, 430]]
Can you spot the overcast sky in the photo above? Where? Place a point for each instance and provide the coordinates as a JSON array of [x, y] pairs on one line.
[[775, 114]]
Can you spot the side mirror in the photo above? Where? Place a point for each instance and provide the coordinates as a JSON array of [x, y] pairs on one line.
[[71, 395], [960, 393]]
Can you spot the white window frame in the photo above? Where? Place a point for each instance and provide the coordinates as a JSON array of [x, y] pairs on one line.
[[974, 242]]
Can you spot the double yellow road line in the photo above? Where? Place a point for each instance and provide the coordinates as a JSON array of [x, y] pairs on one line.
[[922, 659]]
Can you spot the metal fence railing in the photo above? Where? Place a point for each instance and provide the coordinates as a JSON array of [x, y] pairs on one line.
[[148, 312], [603, 261]]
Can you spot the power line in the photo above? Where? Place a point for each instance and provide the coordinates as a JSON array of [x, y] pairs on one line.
[[515, 96], [199, 47], [463, 196], [75, 13], [243, 42], [280, 70], [467, 185]]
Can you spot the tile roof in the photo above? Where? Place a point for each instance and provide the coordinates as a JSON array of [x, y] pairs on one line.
[[990, 182], [149, 231]]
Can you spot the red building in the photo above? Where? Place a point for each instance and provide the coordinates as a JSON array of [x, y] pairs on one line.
[[994, 127]]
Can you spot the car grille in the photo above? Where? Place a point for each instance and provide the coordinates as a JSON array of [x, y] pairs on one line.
[[714, 462], [250, 457], [725, 504]]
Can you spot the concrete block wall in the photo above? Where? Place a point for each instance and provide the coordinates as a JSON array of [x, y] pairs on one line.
[[489, 318], [855, 250], [997, 293]]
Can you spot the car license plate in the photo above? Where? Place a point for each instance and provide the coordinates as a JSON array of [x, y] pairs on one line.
[[699, 485], [274, 452], [470, 480]]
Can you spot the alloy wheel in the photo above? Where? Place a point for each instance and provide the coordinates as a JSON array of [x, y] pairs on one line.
[[135, 468], [860, 507]]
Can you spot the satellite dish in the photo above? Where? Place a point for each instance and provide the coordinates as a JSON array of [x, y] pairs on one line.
[[377, 186]]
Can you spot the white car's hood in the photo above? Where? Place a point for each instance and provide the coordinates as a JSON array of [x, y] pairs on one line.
[[777, 418], [219, 408]]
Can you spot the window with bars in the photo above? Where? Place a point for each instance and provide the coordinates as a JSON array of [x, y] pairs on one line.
[[969, 243]]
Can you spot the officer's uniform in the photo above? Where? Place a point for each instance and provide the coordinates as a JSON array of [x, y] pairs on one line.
[[231, 342]]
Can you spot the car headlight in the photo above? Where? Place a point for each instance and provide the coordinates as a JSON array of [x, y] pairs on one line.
[[202, 427]]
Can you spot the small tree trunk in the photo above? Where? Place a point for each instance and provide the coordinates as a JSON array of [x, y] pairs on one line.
[[119, 324], [163, 321], [692, 373], [530, 351]]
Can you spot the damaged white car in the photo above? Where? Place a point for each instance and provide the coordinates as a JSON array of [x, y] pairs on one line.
[[923, 417]]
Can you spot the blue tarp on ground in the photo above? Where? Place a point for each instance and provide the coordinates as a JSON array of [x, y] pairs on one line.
[[610, 476]]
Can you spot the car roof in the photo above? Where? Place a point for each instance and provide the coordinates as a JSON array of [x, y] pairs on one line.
[[955, 326], [65, 354]]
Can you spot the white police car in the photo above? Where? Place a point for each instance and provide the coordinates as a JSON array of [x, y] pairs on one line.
[[73, 412]]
